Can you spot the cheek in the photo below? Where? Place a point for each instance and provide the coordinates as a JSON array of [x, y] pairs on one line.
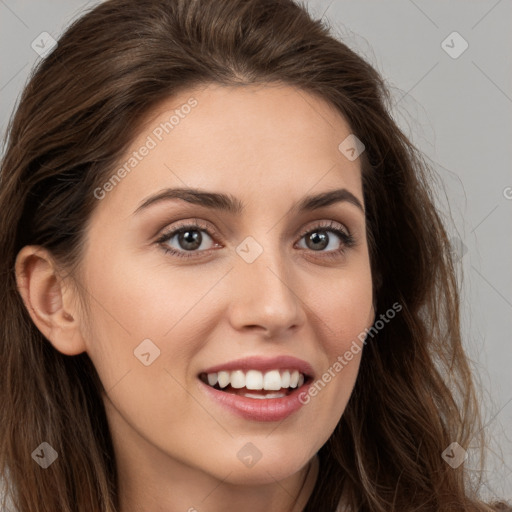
[[139, 317], [143, 300], [343, 304], [341, 309], [132, 302]]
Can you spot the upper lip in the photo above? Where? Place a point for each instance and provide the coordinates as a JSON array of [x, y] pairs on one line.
[[262, 364]]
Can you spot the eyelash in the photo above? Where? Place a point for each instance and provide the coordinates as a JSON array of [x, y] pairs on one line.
[[347, 239]]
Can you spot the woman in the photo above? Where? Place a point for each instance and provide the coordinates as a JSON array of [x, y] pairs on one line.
[[172, 338]]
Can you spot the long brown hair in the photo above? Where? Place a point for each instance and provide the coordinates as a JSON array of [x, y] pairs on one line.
[[414, 394]]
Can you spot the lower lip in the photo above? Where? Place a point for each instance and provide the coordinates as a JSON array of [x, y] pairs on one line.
[[258, 409]]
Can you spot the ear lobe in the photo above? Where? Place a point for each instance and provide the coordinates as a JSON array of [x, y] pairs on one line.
[[48, 300]]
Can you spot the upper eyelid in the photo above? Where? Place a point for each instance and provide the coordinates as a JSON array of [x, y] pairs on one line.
[[201, 226], [325, 224]]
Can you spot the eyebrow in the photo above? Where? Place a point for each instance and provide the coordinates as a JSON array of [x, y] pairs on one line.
[[233, 205]]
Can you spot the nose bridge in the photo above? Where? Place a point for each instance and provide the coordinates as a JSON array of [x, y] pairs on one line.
[[264, 292]]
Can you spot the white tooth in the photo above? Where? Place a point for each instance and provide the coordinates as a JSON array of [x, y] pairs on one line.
[[223, 379], [275, 395], [272, 380], [237, 379], [212, 379], [268, 395], [301, 380], [254, 380], [285, 379], [294, 379]]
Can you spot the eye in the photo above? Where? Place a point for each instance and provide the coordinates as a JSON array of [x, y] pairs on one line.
[[187, 238], [317, 239]]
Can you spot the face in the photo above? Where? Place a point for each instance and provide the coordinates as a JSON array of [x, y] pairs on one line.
[[264, 278]]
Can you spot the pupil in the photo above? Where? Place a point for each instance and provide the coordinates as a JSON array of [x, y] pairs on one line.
[[190, 240], [317, 237]]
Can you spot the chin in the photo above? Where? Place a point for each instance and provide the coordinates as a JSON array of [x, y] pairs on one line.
[[274, 465]]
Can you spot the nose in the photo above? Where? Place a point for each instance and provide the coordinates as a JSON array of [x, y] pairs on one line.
[[264, 297]]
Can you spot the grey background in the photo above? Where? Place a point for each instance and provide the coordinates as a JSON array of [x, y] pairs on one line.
[[458, 111]]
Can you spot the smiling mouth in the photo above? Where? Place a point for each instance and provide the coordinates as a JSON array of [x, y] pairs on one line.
[[253, 384]]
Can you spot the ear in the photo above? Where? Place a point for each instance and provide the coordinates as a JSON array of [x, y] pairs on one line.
[[48, 300]]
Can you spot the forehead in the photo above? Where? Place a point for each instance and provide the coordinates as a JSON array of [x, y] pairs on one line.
[[258, 141]]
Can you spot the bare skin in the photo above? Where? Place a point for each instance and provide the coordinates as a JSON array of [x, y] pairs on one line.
[[176, 449]]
